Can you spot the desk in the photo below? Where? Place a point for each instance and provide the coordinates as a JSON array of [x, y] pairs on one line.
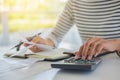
[[109, 69]]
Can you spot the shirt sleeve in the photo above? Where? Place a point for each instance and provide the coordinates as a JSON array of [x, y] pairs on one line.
[[63, 24]]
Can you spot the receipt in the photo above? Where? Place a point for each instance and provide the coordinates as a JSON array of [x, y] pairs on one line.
[[40, 46]]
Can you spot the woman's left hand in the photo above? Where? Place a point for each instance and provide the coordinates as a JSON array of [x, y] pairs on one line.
[[96, 45]]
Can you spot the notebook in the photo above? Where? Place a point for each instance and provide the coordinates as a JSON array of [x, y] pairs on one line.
[[51, 55]]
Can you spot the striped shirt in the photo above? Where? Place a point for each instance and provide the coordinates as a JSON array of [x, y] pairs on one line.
[[92, 17]]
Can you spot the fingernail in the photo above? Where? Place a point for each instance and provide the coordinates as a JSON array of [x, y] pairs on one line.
[[96, 54], [83, 57], [89, 58], [76, 57]]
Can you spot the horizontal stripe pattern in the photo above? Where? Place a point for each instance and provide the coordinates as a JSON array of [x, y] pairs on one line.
[[92, 17]]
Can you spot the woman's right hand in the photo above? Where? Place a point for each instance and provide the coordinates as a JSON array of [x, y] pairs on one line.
[[39, 40]]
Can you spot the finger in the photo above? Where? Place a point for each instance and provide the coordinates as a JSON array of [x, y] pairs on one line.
[[35, 49], [93, 48], [25, 44], [38, 39], [78, 54], [103, 51], [85, 49], [33, 40], [99, 50], [29, 38], [87, 45]]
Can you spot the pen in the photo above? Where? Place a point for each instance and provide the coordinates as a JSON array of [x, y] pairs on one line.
[[20, 43]]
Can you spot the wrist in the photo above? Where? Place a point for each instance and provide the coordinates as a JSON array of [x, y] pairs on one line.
[[118, 44]]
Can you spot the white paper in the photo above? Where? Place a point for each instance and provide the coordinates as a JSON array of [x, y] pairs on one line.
[[40, 46], [21, 51], [7, 67]]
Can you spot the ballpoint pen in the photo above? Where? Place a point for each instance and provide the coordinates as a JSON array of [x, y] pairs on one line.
[[20, 43]]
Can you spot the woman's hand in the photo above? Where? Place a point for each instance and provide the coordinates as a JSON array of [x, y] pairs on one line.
[[39, 40], [96, 45]]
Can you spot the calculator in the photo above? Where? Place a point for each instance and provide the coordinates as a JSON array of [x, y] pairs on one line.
[[77, 64]]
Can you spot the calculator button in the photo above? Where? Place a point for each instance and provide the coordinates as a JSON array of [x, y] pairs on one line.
[[79, 64]]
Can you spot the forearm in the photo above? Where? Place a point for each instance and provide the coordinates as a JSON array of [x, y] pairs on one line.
[[64, 23]]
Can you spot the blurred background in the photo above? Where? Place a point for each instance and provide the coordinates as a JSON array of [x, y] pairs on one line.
[[30, 17], [27, 16]]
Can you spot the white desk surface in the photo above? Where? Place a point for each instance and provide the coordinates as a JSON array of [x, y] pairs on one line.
[[109, 69]]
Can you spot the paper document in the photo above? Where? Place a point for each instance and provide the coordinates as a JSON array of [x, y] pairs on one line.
[[7, 67], [55, 54], [20, 72], [41, 46]]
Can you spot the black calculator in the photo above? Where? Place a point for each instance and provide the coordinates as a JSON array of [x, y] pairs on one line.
[[78, 64]]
